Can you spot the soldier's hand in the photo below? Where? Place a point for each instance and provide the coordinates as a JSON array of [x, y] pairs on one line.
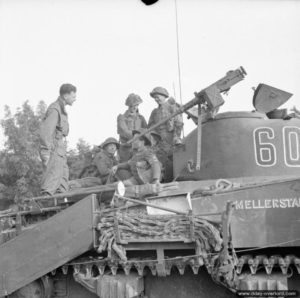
[[114, 169], [45, 156], [45, 160], [156, 186], [155, 181]]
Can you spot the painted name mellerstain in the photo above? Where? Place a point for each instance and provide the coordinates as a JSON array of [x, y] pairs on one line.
[[268, 203]]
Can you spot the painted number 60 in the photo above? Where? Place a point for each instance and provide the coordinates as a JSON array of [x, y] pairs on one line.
[[265, 150]]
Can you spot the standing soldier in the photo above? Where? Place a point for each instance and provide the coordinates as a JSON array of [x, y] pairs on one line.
[[169, 131], [127, 122], [53, 130]]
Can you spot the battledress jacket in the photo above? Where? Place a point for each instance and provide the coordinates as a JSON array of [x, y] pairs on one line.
[[53, 130], [128, 122], [144, 166], [104, 162], [167, 129]]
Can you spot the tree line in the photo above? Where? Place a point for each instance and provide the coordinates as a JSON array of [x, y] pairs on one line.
[[20, 164]]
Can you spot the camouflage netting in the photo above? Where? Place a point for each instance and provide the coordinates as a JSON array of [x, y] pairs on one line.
[[118, 228]]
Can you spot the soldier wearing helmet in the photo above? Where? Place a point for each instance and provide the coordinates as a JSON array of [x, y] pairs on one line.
[[128, 122], [105, 160], [100, 170], [170, 131], [144, 167]]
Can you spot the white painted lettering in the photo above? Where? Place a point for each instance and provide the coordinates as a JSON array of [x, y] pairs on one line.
[[268, 203], [239, 205], [295, 203], [275, 203], [282, 203], [247, 204]]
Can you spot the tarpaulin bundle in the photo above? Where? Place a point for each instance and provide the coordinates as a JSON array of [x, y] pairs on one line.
[[132, 227]]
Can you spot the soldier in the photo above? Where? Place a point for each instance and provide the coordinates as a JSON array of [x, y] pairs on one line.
[[105, 160], [99, 172], [165, 160], [127, 122], [144, 166], [170, 131], [178, 121], [53, 130]]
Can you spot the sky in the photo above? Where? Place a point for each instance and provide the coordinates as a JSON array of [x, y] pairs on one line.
[[110, 48]]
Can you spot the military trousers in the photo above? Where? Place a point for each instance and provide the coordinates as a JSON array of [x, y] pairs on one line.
[[125, 152], [85, 182], [142, 177], [56, 173]]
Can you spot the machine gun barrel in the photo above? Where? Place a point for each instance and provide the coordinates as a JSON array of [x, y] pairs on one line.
[[223, 85], [231, 78]]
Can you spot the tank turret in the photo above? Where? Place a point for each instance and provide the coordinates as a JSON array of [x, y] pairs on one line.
[[241, 144]]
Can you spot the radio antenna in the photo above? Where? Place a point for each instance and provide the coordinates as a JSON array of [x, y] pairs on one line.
[[178, 58], [178, 54]]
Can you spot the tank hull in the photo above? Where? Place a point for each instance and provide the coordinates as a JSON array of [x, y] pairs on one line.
[[264, 215]]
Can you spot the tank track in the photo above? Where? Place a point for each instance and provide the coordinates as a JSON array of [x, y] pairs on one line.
[[254, 264]]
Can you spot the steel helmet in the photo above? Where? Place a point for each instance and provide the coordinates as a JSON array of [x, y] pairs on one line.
[[110, 141], [159, 90], [133, 99]]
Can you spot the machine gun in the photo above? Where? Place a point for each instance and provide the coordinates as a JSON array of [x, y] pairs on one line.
[[210, 96]]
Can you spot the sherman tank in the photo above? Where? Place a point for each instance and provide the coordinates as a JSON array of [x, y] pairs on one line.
[[225, 224]]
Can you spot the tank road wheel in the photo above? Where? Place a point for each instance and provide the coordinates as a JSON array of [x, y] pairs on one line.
[[40, 288]]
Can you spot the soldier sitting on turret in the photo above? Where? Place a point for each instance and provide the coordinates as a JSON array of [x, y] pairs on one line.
[[144, 166]]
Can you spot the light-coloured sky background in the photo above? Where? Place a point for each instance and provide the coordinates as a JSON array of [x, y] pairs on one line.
[[110, 48]]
